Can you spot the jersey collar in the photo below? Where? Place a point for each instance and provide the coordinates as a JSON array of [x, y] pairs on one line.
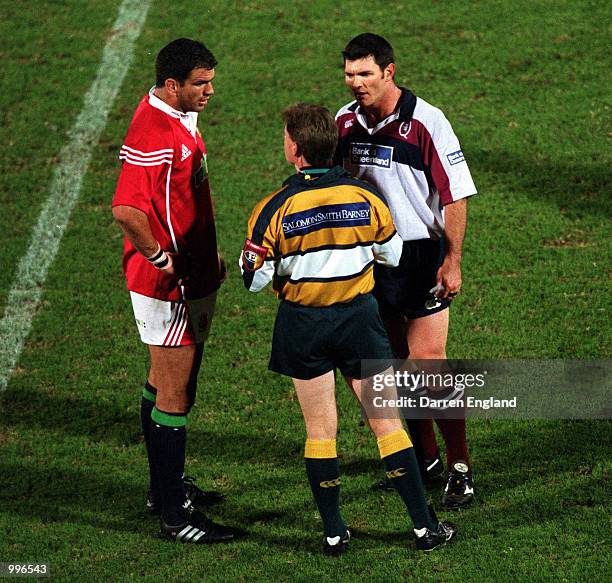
[[403, 112], [316, 177], [189, 119]]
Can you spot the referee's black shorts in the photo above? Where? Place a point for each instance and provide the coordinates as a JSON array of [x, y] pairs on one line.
[[404, 290], [309, 341]]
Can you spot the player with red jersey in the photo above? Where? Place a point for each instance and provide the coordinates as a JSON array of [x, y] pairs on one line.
[[163, 205], [407, 149]]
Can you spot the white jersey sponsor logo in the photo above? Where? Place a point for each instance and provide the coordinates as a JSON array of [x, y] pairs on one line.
[[455, 157], [371, 155]]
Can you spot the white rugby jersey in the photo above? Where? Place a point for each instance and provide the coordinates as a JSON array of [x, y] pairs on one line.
[[412, 157]]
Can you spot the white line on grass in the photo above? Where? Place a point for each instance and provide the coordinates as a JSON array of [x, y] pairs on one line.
[[25, 293]]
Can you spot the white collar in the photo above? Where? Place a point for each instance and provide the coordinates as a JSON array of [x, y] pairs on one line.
[[363, 120], [189, 119]]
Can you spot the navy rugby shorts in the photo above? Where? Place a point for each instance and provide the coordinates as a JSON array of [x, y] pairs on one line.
[[404, 290], [310, 341]]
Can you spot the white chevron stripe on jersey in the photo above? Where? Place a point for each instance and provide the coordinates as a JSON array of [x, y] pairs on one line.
[[327, 263], [147, 154], [138, 161], [186, 152], [125, 154], [140, 158], [135, 163]]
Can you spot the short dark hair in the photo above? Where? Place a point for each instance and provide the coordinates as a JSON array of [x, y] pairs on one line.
[[178, 58], [313, 129], [366, 44]]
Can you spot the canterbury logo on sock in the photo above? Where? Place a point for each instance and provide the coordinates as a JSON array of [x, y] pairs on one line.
[[330, 483], [397, 473]]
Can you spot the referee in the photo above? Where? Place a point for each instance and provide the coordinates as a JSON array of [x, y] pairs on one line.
[[317, 239]]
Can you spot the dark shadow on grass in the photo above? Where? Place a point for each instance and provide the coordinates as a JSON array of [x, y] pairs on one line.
[[538, 452], [71, 495], [112, 423], [506, 455], [574, 186], [552, 445]]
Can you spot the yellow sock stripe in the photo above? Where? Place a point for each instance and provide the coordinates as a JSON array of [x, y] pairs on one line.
[[320, 449], [394, 442]]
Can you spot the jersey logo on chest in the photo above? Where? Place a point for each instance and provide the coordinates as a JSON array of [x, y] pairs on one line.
[[370, 155], [330, 216], [185, 153]]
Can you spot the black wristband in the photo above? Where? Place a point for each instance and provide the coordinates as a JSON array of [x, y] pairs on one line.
[[163, 262], [155, 258]]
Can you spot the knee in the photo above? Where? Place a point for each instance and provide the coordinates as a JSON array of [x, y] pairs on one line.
[[382, 427], [428, 349], [321, 428], [173, 401]]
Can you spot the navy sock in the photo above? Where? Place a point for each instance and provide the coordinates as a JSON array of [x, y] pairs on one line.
[[403, 471], [168, 442], [324, 476], [146, 406]]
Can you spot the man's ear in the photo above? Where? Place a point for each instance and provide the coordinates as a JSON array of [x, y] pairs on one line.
[[172, 86], [294, 149], [389, 72]]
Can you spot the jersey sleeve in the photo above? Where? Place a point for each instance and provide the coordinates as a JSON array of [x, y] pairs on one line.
[[257, 260], [146, 156], [387, 246], [443, 156]]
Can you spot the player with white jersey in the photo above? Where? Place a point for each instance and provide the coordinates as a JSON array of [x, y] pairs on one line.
[[163, 205], [408, 150], [413, 156]]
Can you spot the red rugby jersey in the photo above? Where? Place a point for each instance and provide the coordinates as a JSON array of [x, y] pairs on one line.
[[165, 175]]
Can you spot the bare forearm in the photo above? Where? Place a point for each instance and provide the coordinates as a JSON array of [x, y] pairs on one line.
[[455, 222], [449, 273], [135, 225]]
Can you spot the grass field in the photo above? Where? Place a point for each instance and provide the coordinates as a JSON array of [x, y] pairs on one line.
[[526, 86]]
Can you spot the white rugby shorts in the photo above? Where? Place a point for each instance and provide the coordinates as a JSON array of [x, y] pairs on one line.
[[163, 323]]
